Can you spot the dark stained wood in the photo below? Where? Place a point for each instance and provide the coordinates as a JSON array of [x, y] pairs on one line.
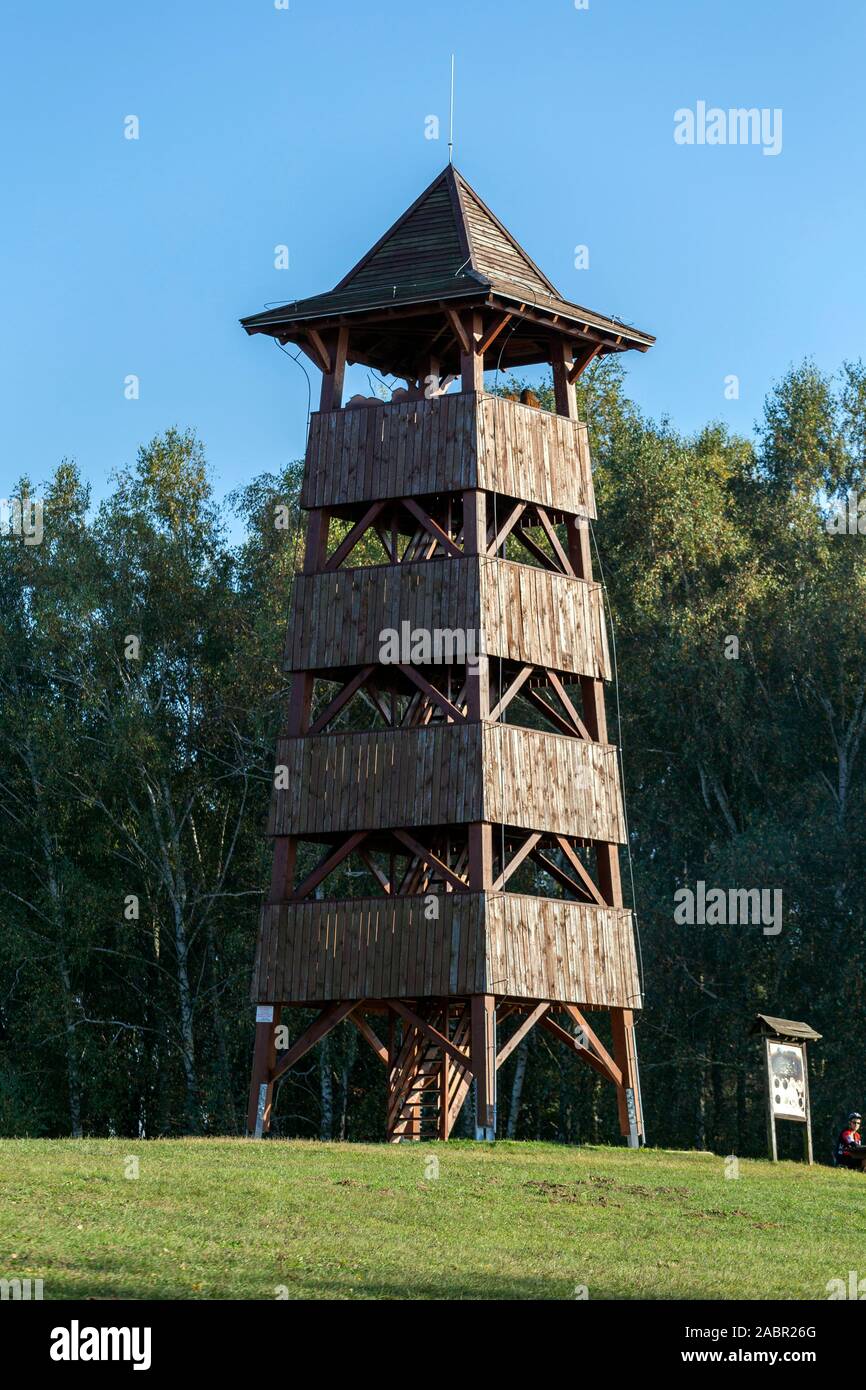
[[448, 774], [504, 943], [446, 802], [528, 615], [495, 444]]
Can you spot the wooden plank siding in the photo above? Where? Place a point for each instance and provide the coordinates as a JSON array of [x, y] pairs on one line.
[[544, 619], [371, 453], [521, 613], [549, 948], [499, 943], [553, 783], [448, 774]]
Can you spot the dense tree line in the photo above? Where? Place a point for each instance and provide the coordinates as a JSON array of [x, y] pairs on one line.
[[140, 697]]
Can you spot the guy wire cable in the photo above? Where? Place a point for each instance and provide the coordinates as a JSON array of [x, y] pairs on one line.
[[294, 570], [612, 627]]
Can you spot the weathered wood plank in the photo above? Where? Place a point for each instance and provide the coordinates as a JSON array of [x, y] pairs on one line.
[[504, 943], [526, 614], [448, 774], [448, 444]]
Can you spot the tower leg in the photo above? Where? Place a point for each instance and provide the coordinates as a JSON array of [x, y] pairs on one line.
[[264, 1059], [627, 1095], [483, 1062]]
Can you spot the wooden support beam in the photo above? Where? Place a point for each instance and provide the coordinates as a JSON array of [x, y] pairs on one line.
[[561, 358], [372, 1038], [566, 700], [493, 333], [283, 868], [535, 550], [386, 542], [371, 692], [433, 1033], [520, 1033], [559, 874], [320, 351], [328, 864], [595, 1042], [383, 880], [332, 384], [562, 1035], [508, 695], [511, 520], [432, 527], [555, 543], [458, 328], [441, 700], [480, 836], [264, 1060], [472, 357], [316, 547], [628, 1095], [347, 545], [552, 714], [428, 857], [576, 863], [516, 860], [582, 361], [341, 699], [320, 1028], [483, 1063], [474, 522]]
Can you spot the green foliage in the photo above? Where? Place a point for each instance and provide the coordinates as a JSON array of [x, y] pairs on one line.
[[147, 778]]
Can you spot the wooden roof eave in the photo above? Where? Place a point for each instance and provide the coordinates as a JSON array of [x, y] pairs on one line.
[[615, 338], [382, 312]]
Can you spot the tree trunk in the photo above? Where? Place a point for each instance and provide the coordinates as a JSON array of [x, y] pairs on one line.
[[517, 1089], [350, 1049], [185, 1021], [326, 1084], [72, 1069], [223, 1068]]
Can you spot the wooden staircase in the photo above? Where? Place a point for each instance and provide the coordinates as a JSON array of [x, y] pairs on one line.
[[427, 1085]]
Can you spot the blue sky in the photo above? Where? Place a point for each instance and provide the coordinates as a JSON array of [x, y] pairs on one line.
[[306, 127]]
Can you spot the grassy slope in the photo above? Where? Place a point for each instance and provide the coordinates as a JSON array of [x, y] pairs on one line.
[[233, 1219]]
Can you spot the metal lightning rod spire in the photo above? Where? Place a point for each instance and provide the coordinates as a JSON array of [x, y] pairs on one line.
[[451, 118]]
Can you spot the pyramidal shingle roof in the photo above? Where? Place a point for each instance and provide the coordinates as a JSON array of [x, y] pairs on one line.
[[447, 246], [448, 232]]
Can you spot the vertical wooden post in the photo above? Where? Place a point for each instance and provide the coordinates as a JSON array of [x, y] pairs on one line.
[[577, 527], [628, 1094], [283, 869], [482, 1007], [433, 366], [264, 1061], [771, 1121], [483, 1060], [480, 857], [316, 548], [807, 1143], [331, 397], [561, 359], [472, 362], [474, 522], [475, 543]]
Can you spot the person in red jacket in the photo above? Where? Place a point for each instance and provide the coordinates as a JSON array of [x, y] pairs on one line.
[[850, 1151]]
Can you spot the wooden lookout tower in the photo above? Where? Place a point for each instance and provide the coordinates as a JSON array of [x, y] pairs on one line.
[[448, 813]]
